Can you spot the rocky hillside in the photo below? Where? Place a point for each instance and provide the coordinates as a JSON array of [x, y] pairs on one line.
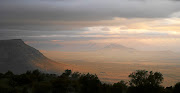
[[19, 57]]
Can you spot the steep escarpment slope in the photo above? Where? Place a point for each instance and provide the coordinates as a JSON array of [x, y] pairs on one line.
[[19, 57]]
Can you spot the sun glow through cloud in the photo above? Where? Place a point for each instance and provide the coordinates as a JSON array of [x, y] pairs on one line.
[[59, 21]]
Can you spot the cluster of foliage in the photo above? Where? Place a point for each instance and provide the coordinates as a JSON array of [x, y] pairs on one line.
[[141, 81]]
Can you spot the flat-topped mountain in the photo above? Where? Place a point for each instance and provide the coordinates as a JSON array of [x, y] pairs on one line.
[[19, 57]]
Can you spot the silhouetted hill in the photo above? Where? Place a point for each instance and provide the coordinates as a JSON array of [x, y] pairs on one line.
[[19, 57], [118, 47], [120, 53]]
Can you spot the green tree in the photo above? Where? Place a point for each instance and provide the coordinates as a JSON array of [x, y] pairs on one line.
[[120, 87], [8, 74], [89, 83], [67, 73], [143, 81], [142, 78], [177, 88]]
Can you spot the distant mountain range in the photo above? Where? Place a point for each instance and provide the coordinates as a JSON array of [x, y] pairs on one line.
[[114, 53], [122, 53], [19, 57]]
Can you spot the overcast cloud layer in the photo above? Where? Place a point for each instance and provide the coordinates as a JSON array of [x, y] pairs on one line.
[[83, 21], [36, 12]]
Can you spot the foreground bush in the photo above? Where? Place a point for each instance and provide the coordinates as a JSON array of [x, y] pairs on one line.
[[141, 81]]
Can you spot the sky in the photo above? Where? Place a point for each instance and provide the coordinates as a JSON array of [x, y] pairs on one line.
[[71, 24]]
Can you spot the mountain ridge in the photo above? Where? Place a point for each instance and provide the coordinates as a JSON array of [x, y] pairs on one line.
[[19, 57]]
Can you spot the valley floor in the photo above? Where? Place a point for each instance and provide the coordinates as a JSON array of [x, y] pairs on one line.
[[112, 72]]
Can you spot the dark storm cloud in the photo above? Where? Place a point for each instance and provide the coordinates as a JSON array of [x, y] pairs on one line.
[[70, 10], [32, 16], [40, 14]]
